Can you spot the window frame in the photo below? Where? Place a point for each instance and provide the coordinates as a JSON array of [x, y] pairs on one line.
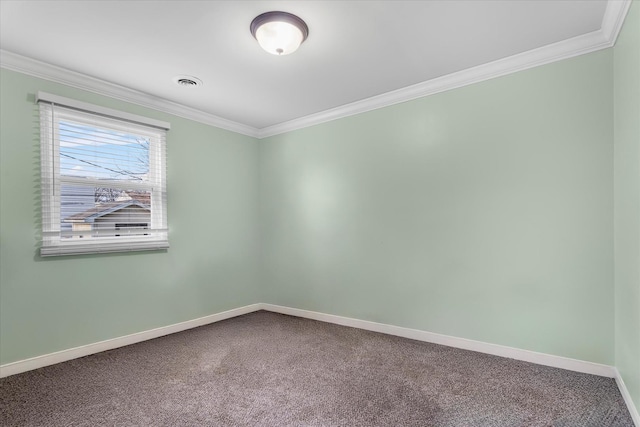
[[53, 109]]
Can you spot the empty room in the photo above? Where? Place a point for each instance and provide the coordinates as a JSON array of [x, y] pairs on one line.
[[320, 213]]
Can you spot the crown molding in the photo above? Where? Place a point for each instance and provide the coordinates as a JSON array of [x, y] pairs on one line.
[[22, 64], [612, 21], [530, 59], [614, 16], [615, 13], [544, 55]]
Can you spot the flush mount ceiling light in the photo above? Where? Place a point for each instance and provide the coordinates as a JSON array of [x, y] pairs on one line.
[[279, 33]]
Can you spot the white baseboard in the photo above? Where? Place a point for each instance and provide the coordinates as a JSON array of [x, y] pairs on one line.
[[463, 343], [627, 399], [415, 334], [85, 350]]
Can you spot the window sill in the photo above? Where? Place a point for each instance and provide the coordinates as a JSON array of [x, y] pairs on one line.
[[93, 248]]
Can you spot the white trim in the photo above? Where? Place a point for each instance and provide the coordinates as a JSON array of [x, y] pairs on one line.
[[102, 111], [635, 416], [131, 244], [544, 55], [22, 64], [415, 334], [86, 350], [615, 13], [462, 343], [614, 16]]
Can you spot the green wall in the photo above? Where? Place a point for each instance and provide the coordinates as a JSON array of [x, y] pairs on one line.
[[485, 212], [51, 304], [627, 201]]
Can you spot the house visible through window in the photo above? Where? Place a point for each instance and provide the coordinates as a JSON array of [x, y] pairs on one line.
[[130, 229], [103, 179]]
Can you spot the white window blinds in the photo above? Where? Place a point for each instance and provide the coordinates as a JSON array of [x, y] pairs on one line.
[[103, 179]]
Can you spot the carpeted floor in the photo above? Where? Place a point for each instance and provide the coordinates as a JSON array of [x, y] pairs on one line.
[[266, 369]]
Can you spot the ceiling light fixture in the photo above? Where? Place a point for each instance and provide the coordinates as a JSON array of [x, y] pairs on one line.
[[279, 33]]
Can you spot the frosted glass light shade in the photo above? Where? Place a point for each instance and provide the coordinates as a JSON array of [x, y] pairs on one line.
[[279, 33]]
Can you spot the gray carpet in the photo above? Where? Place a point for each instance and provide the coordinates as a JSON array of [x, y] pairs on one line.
[[266, 369]]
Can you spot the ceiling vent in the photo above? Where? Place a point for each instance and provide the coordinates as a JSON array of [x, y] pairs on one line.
[[187, 81]]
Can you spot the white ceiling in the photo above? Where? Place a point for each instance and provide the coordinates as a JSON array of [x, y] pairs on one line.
[[356, 49]]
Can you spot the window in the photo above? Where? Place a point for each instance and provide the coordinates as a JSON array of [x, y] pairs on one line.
[[103, 179]]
